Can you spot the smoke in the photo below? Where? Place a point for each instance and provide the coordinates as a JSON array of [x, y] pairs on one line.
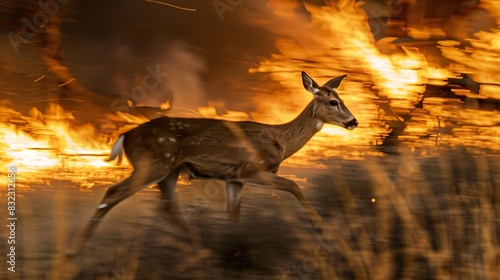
[[181, 84], [184, 81]]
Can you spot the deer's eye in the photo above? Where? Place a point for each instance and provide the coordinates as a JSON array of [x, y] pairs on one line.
[[334, 103]]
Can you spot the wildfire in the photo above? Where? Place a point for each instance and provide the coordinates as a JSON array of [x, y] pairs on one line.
[[336, 39], [45, 145], [332, 40]]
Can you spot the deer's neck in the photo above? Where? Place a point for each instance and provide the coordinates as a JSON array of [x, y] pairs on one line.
[[299, 131]]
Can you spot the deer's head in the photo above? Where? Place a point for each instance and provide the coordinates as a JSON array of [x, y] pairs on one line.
[[328, 106]]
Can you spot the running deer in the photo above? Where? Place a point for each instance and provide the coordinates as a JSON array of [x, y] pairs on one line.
[[240, 153]]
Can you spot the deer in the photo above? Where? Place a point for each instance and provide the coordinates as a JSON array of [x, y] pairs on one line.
[[241, 153]]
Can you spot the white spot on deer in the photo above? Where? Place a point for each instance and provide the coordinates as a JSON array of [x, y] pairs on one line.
[[161, 139], [319, 125], [187, 125], [172, 139], [261, 162], [173, 159], [192, 143], [102, 206], [172, 124], [167, 155]]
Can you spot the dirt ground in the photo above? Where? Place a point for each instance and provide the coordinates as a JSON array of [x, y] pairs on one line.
[[392, 217]]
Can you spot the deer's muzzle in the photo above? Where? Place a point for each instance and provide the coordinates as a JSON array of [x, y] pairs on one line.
[[351, 124]]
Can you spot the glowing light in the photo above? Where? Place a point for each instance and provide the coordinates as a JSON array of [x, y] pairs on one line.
[[339, 41], [46, 145], [331, 40]]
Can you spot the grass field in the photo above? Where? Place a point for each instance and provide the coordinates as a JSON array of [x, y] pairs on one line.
[[391, 217]]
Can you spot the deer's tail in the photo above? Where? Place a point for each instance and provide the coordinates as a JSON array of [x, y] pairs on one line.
[[117, 150]]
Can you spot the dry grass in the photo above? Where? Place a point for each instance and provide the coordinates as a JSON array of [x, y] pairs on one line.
[[432, 218]]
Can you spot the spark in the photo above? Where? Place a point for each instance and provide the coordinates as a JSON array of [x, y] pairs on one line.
[[171, 5], [67, 82], [43, 76]]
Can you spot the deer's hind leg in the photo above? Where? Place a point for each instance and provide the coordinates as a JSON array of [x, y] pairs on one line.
[[194, 251], [144, 174], [169, 202]]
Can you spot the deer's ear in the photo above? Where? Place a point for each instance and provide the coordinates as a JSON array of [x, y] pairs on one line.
[[335, 82], [309, 84]]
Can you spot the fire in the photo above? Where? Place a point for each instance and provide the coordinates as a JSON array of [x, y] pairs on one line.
[[332, 40], [45, 145], [336, 39], [481, 59]]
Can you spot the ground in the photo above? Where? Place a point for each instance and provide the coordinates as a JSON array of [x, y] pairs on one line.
[[392, 217]]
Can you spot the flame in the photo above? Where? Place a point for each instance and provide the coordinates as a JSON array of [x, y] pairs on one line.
[[481, 59], [336, 39], [165, 105], [46, 145], [331, 40]]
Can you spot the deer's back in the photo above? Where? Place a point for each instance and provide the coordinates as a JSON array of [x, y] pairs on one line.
[[207, 147]]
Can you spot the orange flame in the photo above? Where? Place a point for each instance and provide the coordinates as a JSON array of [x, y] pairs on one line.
[[46, 145], [336, 39]]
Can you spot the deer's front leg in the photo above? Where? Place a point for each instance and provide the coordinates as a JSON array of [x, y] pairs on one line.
[[273, 181], [234, 191]]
